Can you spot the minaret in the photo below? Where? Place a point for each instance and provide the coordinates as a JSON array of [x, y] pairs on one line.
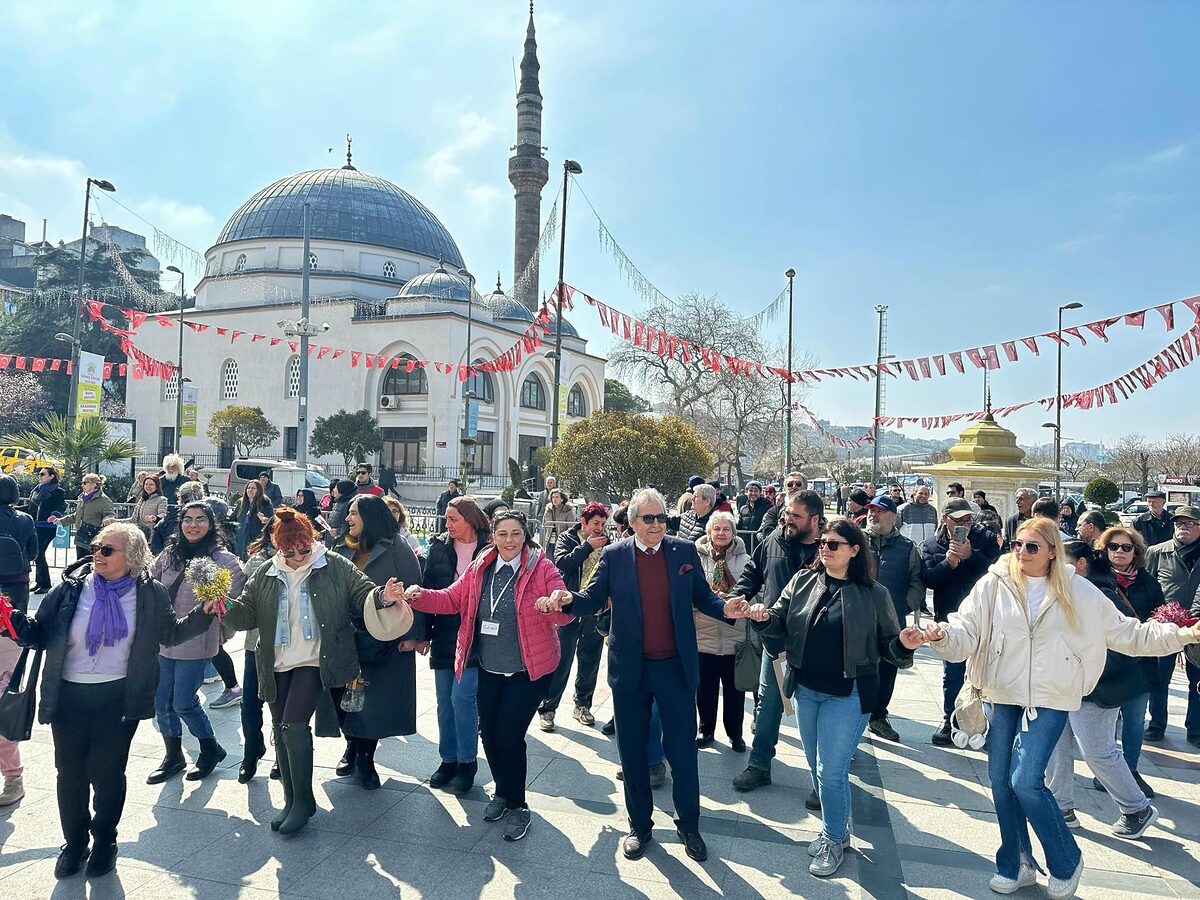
[[528, 171]]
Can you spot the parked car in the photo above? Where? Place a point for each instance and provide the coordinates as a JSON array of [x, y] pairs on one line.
[[288, 476], [21, 461]]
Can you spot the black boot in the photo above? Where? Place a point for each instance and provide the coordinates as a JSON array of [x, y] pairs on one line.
[[346, 764], [211, 753], [173, 763], [464, 777], [299, 742], [367, 776], [444, 775], [281, 761], [249, 765]]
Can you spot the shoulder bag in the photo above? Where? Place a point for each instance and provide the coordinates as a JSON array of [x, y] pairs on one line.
[[18, 702], [747, 663]]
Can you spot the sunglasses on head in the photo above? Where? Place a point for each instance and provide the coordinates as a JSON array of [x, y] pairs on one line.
[[292, 554], [660, 518], [829, 544], [105, 550], [1115, 547], [1030, 547]]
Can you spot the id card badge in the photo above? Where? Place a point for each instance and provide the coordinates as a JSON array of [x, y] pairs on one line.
[[490, 628]]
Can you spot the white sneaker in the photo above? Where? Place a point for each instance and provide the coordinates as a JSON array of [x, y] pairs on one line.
[[815, 846], [1026, 877], [1061, 888], [14, 790]]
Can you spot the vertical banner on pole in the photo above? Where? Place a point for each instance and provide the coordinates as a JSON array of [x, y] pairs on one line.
[[191, 401], [563, 393], [91, 376], [472, 418]]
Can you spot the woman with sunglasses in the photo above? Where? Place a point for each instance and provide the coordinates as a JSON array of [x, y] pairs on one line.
[[835, 623], [181, 668], [1035, 638], [101, 629], [306, 603], [47, 500], [251, 512], [95, 510], [515, 645]]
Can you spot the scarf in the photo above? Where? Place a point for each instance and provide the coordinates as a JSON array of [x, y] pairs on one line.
[[106, 624], [1127, 576], [1188, 553], [358, 552], [720, 580], [84, 498]]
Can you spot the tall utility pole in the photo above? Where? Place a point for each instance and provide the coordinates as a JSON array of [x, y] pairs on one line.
[[570, 167], [73, 399], [1058, 402], [179, 364], [306, 331], [468, 391], [787, 428], [879, 357]]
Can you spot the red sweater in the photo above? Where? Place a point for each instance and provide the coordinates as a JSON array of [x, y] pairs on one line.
[[658, 628]]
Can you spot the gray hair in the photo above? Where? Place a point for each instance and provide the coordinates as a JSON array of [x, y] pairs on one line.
[[707, 491], [721, 516], [1026, 492], [137, 551], [193, 490], [173, 461], [644, 495]]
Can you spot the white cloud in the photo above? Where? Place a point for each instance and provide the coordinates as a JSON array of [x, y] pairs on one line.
[[1076, 244], [1168, 155], [173, 216], [471, 131]]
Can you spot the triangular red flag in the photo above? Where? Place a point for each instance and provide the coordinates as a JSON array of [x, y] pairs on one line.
[[1167, 311], [1031, 343], [1010, 350]]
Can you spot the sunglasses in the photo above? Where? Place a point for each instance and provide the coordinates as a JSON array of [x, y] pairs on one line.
[[827, 544], [362, 472], [794, 484], [43, 474], [1114, 547], [1030, 547], [660, 518], [105, 550], [292, 554]]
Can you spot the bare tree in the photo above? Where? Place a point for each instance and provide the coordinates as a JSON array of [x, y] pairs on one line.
[[1075, 467], [1180, 455], [1131, 459]]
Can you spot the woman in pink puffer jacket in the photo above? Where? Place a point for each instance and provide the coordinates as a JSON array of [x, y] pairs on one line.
[[515, 646]]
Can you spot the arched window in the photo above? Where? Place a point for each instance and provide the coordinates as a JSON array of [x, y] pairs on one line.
[[481, 384], [241, 263], [312, 260], [576, 404], [399, 380], [533, 393], [171, 388], [229, 380], [291, 380], [389, 269]]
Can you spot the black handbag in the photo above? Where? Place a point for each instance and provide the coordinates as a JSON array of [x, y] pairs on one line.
[[18, 702], [747, 663]]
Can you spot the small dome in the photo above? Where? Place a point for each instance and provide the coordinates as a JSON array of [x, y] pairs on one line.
[[506, 308], [567, 328], [438, 284]]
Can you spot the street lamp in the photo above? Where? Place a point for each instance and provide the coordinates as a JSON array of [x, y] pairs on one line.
[[179, 379], [1058, 400], [72, 400], [787, 430], [570, 167], [468, 394], [880, 356]]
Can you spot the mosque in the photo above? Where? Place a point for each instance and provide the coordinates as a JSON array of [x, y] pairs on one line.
[[388, 279]]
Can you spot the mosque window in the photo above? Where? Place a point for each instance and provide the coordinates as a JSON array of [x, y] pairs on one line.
[[401, 381], [533, 393], [292, 380], [241, 263], [229, 380], [171, 388], [481, 383], [389, 269], [576, 404], [312, 260]]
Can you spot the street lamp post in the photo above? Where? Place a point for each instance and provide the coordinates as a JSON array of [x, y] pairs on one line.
[[179, 366], [468, 392], [570, 167], [787, 429], [1058, 401], [881, 310], [73, 399]]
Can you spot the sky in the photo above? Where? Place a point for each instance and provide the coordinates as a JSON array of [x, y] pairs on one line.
[[970, 165]]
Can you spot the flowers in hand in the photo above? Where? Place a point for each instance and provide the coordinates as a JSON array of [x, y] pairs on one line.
[[210, 583], [6, 609], [1173, 614]]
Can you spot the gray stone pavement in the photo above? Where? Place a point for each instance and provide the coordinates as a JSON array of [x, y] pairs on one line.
[[923, 823]]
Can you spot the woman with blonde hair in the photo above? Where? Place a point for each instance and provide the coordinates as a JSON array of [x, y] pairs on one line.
[[1035, 638], [95, 510]]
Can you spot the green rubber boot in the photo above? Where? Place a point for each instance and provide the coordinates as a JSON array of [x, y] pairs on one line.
[[299, 742], [281, 759]]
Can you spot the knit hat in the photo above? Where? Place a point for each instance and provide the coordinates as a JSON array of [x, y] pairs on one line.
[[861, 497], [695, 481]]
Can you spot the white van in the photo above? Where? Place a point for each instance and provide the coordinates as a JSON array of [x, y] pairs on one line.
[[287, 476]]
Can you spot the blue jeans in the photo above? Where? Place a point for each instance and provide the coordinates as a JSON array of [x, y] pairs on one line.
[[1133, 729], [953, 676], [767, 717], [458, 714], [252, 708], [1017, 762], [175, 699], [830, 728]]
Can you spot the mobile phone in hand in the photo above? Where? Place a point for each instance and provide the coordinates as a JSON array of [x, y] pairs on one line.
[[960, 533]]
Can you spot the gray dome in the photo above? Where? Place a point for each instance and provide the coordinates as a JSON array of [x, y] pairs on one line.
[[438, 284], [567, 328], [505, 308], [344, 205]]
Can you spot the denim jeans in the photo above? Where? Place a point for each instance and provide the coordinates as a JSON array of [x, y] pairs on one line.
[[175, 699], [1158, 697], [767, 717], [1133, 728], [953, 676], [1094, 728], [458, 714], [1017, 762], [830, 728]]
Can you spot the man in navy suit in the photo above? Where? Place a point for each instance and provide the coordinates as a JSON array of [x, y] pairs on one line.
[[654, 582]]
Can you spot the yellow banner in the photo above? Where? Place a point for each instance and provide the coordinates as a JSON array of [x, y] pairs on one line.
[[89, 391]]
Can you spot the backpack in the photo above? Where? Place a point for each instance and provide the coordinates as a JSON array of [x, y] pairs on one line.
[[13, 560]]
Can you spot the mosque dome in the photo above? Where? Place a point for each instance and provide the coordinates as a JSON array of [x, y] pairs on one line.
[[344, 205], [438, 284]]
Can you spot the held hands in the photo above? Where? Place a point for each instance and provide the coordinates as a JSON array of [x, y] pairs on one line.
[[736, 608], [413, 592], [758, 613], [555, 602], [393, 592]]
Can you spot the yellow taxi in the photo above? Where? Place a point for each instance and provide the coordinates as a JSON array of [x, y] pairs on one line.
[[20, 461]]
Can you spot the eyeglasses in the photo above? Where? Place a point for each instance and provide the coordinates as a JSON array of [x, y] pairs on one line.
[[105, 550], [792, 515], [1186, 524], [794, 484], [1030, 547], [189, 520], [1114, 547], [827, 544], [292, 554], [660, 518]]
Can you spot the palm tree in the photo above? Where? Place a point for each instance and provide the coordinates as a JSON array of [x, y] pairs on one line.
[[81, 447]]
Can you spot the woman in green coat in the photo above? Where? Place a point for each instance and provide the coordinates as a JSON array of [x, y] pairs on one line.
[[95, 510], [305, 603]]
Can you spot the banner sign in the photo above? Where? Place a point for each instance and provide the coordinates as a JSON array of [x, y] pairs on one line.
[[190, 398], [89, 391]]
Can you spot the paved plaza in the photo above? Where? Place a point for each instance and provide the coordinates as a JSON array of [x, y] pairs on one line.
[[923, 823]]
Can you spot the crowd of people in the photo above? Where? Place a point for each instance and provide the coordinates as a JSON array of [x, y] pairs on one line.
[[1049, 626]]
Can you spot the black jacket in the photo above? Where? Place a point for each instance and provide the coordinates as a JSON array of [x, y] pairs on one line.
[[770, 521], [570, 553], [691, 526], [870, 629], [898, 567], [1011, 525], [773, 563], [952, 584], [50, 502], [751, 515], [156, 624], [1124, 677], [440, 566], [1154, 530], [19, 526]]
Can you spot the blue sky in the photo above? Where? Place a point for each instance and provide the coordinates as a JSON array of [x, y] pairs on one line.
[[972, 165]]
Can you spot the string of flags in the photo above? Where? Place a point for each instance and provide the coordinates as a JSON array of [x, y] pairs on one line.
[[40, 364]]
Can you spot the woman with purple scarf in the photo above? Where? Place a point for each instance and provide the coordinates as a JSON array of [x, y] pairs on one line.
[[101, 629]]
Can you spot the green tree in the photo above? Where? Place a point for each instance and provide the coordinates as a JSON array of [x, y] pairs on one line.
[[618, 398], [1101, 490], [350, 434], [80, 447], [244, 427], [614, 453]]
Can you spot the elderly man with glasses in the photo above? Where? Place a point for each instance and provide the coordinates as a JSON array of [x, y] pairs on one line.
[[793, 484], [1176, 565]]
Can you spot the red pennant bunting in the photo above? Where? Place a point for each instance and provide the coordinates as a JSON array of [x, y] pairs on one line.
[[355, 356], [1031, 343], [939, 363], [1075, 333], [911, 368], [55, 365], [1010, 350], [1167, 311]]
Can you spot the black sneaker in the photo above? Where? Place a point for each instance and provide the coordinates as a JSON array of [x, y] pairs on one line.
[[941, 737], [609, 728], [1154, 734], [883, 728], [1132, 826], [750, 778], [812, 802], [464, 777], [102, 861], [70, 860], [1142, 783]]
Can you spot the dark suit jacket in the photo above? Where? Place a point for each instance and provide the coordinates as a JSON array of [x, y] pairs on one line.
[[616, 577]]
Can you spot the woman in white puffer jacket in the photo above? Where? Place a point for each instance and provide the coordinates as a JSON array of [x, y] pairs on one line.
[[1035, 636]]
